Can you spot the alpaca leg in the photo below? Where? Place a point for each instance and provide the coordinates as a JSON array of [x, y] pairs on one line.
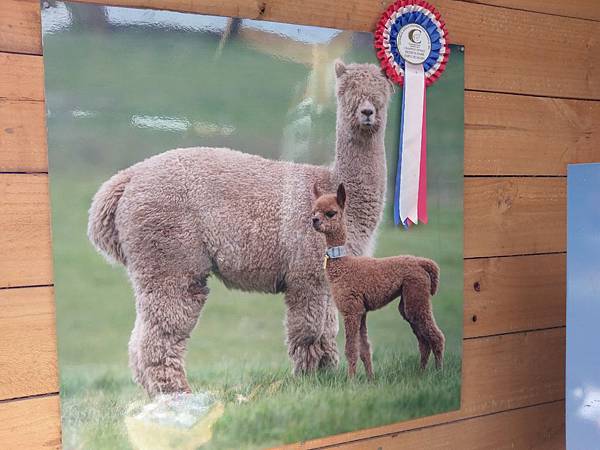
[[365, 347], [330, 358], [305, 322], [418, 312], [352, 330], [437, 343], [425, 349], [168, 308]]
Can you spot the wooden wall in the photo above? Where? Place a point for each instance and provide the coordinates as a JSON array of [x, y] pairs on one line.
[[532, 105]]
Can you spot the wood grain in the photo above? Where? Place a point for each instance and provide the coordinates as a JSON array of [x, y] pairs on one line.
[[20, 26], [490, 65], [522, 135], [514, 294], [30, 424], [583, 9], [22, 136], [25, 250], [499, 373], [513, 370], [540, 426], [511, 216], [21, 77], [27, 342]]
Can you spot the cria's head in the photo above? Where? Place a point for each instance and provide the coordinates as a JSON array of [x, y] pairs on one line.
[[363, 93], [328, 211]]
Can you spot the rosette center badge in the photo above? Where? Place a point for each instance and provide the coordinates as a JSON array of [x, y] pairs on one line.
[[414, 43]]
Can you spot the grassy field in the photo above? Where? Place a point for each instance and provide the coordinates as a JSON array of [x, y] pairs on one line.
[[97, 84], [237, 351]]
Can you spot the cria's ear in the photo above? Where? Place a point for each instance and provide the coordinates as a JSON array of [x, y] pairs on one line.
[[341, 195], [340, 68], [315, 191]]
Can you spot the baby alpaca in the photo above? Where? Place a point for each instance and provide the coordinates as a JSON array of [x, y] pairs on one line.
[[360, 284]]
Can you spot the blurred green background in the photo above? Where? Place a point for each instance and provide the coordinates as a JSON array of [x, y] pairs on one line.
[[125, 84]]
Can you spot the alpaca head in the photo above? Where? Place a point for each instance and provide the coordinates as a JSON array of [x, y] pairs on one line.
[[363, 93], [328, 213]]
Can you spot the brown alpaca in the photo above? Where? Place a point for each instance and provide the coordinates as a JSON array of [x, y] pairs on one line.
[[360, 284]]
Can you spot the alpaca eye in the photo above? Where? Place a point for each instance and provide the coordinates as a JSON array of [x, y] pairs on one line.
[[330, 214]]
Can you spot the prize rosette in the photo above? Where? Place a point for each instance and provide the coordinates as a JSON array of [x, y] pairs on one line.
[[412, 45]]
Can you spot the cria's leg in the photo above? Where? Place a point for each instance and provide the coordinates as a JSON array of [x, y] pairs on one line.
[[425, 350], [352, 330], [168, 307], [365, 347], [417, 311], [437, 342], [305, 322], [330, 358]]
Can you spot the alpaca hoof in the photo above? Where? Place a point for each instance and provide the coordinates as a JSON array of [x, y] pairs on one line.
[[329, 360], [165, 380], [306, 358]]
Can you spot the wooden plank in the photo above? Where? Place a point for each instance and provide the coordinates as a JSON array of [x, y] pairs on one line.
[[22, 136], [25, 250], [499, 373], [540, 426], [20, 26], [21, 77], [513, 216], [513, 370], [583, 9], [491, 64], [30, 424], [522, 135], [514, 294], [27, 342]]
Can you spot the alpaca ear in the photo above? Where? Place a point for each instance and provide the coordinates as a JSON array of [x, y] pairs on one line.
[[341, 195], [315, 191], [340, 68]]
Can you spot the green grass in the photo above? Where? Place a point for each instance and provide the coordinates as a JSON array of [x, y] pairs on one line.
[[277, 407], [238, 347]]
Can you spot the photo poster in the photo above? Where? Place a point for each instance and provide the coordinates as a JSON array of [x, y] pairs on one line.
[[124, 85], [583, 306]]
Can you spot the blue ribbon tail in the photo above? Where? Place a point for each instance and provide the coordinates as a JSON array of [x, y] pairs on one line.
[[397, 220]]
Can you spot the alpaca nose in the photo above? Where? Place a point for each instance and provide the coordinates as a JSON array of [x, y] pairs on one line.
[[316, 221], [368, 112]]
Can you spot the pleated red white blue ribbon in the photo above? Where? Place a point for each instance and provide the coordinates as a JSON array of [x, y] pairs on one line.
[[412, 44]]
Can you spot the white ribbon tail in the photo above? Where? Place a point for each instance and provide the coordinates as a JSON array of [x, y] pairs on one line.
[[414, 91]]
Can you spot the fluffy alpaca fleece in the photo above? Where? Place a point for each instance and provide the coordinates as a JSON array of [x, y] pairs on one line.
[[177, 217], [360, 284]]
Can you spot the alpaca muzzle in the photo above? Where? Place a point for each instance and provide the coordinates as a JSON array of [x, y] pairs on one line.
[[316, 223]]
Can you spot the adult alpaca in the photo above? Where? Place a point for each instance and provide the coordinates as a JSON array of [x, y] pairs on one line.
[[177, 217]]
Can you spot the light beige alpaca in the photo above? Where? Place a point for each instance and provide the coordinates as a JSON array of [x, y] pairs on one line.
[[177, 217]]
